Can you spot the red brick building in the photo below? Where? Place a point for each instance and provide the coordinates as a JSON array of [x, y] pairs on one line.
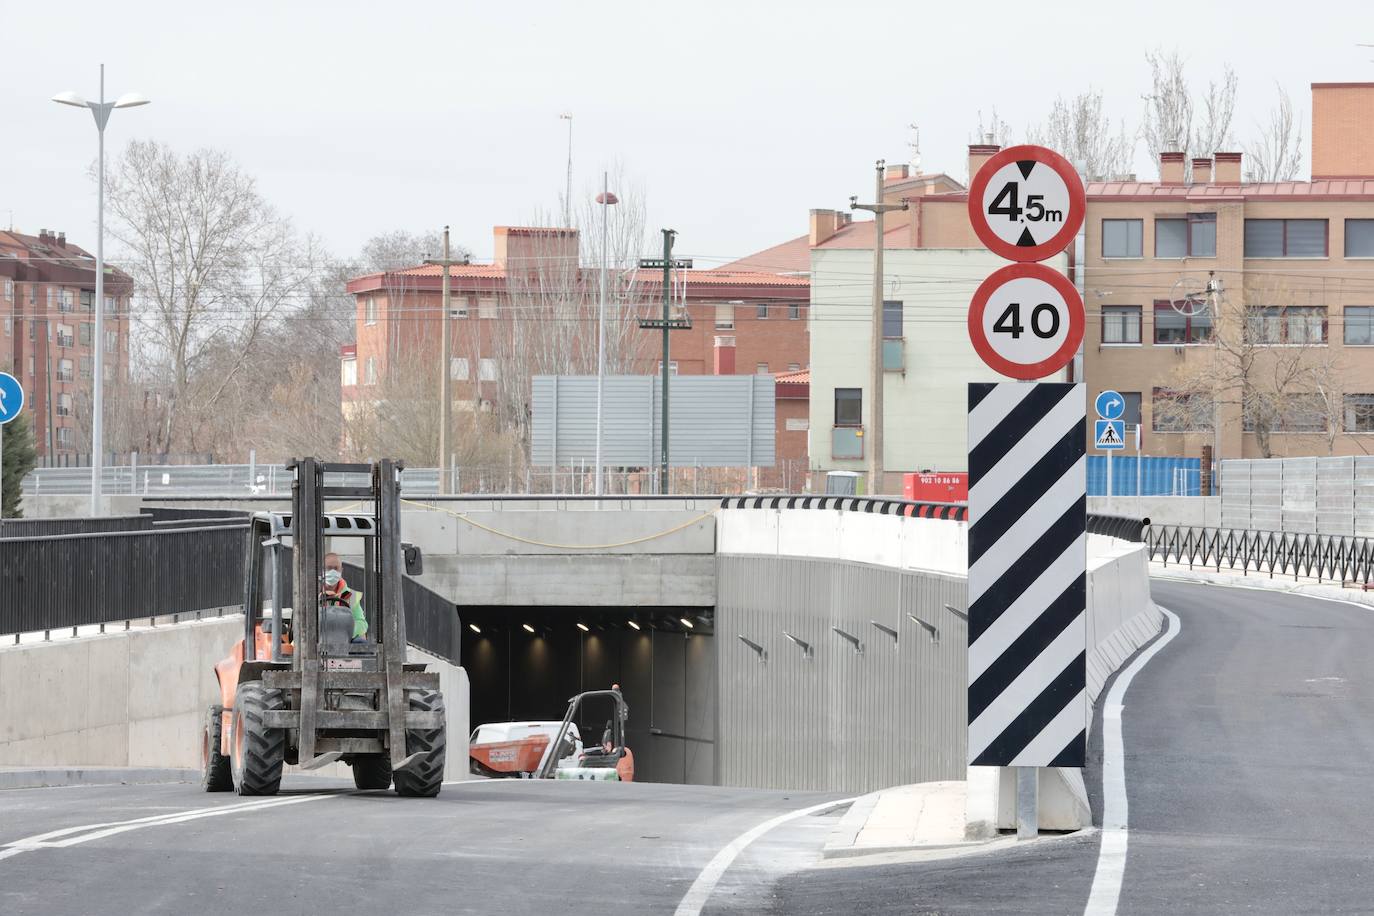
[[47, 330], [743, 321]]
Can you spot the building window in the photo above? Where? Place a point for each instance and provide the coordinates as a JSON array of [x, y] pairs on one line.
[[760, 368], [1301, 413], [33, 294], [1193, 236], [672, 367], [111, 341], [1121, 238], [725, 317], [30, 367], [1273, 325], [9, 289], [794, 367], [487, 307], [370, 371], [64, 370], [1121, 324], [794, 311], [9, 326], [1177, 412], [88, 300], [87, 367], [108, 371], [87, 331], [849, 406], [348, 374], [64, 436], [111, 305], [1359, 413], [32, 330], [1174, 328], [64, 404], [1285, 238], [458, 307], [1131, 414], [64, 335], [486, 370], [370, 310], [458, 368], [1359, 238], [761, 312], [1359, 325], [892, 320]]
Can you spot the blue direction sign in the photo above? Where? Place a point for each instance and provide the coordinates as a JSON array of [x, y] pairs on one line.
[[1110, 435], [11, 397], [1110, 405]]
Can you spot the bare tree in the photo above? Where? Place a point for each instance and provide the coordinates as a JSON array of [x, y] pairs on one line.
[[994, 130], [1177, 121], [1276, 155], [1080, 129], [216, 268]]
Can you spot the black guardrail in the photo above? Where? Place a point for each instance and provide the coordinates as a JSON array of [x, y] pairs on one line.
[[39, 527], [1324, 557], [80, 578], [875, 504], [1123, 527]]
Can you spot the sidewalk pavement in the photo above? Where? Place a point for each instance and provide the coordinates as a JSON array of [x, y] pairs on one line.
[[928, 815], [42, 777]]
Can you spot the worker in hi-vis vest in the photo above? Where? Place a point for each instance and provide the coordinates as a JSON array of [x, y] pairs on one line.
[[338, 594]]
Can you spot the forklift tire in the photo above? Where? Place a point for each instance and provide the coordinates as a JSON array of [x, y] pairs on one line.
[[423, 778], [372, 772], [215, 774], [258, 751]]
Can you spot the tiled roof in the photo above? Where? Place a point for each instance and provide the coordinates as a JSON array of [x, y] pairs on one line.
[[722, 277], [1275, 190], [860, 235], [793, 378], [490, 271], [793, 256]]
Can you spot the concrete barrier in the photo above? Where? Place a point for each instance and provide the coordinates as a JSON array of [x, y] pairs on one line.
[[137, 698]]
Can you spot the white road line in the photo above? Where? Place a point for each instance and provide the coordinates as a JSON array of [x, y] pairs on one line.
[[57, 839], [710, 876], [1111, 857]]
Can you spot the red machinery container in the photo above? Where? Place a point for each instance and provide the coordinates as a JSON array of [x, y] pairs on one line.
[[936, 486]]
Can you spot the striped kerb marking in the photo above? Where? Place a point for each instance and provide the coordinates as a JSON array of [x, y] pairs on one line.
[[1027, 575]]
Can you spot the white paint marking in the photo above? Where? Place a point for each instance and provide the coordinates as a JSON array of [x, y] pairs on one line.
[[700, 892], [72, 836], [1111, 857]]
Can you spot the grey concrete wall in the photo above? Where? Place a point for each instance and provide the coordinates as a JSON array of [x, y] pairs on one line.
[[139, 697], [839, 720], [1197, 511]]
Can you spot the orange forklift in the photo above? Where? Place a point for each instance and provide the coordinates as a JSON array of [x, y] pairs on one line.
[[298, 690]]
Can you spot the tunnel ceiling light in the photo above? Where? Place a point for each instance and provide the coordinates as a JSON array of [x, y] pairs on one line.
[[686, 623], [528, 628], [474, 628], [582, 626], [634, 624]]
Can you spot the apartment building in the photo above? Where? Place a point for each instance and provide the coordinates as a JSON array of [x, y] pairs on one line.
[[1235, 316], [47, 334]]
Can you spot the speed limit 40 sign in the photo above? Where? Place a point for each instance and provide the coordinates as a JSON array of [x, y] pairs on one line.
[[1026, 203], [1026, 321]]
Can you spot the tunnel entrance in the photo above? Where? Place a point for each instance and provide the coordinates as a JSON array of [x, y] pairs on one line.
[[525, 663]]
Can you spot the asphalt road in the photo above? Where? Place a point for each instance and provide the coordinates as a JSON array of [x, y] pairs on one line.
[[1249, 757], [500, 846], [1248, 745]]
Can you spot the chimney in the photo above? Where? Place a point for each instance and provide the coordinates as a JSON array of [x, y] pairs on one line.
[[1171, 168], [897, 173], [725, 355], [824, 224], [1228, 168], [978, 153], [62, 239], [1202, 171]]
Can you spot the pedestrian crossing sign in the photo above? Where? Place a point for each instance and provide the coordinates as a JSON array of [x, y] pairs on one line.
[[1111, 434]]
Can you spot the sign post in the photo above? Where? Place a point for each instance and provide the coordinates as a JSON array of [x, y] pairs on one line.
[[1027, 538], [11, 402]]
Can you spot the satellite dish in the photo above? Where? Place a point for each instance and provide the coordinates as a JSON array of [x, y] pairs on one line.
[[1192, 296]]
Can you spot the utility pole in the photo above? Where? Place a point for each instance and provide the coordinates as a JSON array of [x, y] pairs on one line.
[[445, 360], [875, 430], [668, 323], [567, 191]]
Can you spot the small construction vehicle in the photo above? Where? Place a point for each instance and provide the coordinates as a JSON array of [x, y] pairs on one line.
[[610, 760], [553, 750], [298, 690]]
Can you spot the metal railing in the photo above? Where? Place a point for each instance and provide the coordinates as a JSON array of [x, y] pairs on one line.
[[1326, 558], [171, 563]]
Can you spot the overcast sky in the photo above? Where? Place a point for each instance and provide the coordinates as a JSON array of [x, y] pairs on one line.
[[737, 117]]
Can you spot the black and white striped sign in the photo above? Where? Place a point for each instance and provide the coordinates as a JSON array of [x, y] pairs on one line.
[[1027, 574]]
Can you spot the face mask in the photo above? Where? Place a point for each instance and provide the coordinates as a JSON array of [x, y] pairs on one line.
[[332, 577]]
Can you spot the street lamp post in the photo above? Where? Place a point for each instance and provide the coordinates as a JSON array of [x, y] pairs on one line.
[[101, 111], [606, 199]]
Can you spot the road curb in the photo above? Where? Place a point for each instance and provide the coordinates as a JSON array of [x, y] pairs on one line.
[[46, 777]]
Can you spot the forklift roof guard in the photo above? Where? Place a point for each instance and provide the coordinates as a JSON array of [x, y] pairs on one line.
[[359, 526]]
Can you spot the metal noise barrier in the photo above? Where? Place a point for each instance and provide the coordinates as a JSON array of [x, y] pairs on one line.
[[79, 572], [1122, 527]]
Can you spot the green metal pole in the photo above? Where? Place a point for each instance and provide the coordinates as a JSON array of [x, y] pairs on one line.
[[667, 295]]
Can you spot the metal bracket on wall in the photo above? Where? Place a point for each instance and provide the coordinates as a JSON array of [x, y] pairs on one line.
[[888, 630], [807, 652], [851, 639], [930, 628], [956, 612], [759, 650]]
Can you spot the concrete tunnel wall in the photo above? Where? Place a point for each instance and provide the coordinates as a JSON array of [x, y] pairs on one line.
[[139, 698]]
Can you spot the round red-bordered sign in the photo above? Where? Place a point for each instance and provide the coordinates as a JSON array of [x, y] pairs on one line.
[[1026, 321], [1026, 203]]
